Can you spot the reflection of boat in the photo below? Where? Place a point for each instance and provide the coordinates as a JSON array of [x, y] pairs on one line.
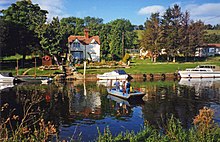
[[38, 79], [120, 94], [201, 71], [116, 74], [204, 82], [126, 102], [6, 78], [6, 85]]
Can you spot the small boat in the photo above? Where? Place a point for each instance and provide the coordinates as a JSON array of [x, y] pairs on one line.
[[121, 94], [46, 81], [201, 71], [116, 74], [4, 79], [6, 85]]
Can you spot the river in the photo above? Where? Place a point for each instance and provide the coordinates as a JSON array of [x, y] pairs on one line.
[[80, 109]]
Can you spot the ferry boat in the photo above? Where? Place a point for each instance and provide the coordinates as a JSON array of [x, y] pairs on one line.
[[201, 71]]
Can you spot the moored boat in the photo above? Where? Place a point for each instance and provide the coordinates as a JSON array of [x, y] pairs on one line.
[[201, 71], [116, 74], [6, 79], [121, 94]]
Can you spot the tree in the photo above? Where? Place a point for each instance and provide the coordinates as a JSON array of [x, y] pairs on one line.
[[184, 35], [171, 23], [27, 17], [73, 25], [196, 35], [53, 39], [121, 36], [152, 35], [93, 24]]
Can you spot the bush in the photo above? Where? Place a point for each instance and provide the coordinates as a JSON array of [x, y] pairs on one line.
[[126, 58]]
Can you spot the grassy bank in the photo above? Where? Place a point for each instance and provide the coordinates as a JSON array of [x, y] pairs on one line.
[[137, 66]]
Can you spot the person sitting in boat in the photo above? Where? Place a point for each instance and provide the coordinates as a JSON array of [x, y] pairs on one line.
[[128, 85], [117, 85]]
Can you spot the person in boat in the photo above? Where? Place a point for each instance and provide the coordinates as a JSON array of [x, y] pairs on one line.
[[117, 85], [128, 85]]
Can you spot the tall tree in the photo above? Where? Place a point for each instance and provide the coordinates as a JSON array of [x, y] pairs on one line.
[[74, 25], [196, 35], [171, 30], [184, 35], [93, 24], [152, 35], [121, 36], [53, 39], [27, 17]]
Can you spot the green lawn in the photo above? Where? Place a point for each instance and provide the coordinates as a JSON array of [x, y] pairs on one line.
[[217, 32], [145, 66]]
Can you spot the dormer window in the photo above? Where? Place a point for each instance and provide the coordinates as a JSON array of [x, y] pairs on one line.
[[76, 44]]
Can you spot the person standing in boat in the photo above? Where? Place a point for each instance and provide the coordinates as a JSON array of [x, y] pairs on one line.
[[128, 85]]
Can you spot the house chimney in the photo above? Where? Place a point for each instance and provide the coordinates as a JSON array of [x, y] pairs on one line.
[[86, 33]]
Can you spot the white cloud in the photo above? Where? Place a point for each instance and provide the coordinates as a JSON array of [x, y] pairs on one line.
[[54, 7], [5, 3], [208, 12], [151, 9]]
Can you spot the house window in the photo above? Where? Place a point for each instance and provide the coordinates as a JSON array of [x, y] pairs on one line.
[[76, 44]]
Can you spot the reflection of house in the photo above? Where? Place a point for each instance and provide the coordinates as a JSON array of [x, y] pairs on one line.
[[208, 50], [84, 47]]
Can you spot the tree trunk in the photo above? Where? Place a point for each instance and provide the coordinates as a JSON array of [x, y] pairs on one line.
[[23, 60]]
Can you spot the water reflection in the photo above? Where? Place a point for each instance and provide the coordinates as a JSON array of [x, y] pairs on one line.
[[82, 107]]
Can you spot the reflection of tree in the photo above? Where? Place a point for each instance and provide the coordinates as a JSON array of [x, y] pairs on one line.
[[168, 101]]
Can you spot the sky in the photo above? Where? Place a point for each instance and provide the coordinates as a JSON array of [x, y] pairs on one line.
[[136, 11]]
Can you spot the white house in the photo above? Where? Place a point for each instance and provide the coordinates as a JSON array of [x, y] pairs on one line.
[[208, 50], [84, 47]]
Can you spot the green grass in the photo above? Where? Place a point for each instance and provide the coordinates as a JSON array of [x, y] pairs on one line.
[[217, 32], [15, 57], [145, 66]]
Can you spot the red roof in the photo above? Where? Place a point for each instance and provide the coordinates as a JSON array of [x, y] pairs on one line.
[[83, 39], [214, 44]]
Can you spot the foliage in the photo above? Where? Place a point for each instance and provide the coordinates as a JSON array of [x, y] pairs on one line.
[[30, 127], [173, 32], [23, 18], [126, 58], [205, 130], [151, 37], [53, 39]]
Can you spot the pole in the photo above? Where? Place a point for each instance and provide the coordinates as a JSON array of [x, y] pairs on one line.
[[84, 73], [35, 64], [17, 67], [123, 51]]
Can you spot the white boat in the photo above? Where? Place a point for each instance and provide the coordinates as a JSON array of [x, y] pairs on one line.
[[4, 79], [6, 85], [201, 71], [46, 81], [116, 74], [121, 94]]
